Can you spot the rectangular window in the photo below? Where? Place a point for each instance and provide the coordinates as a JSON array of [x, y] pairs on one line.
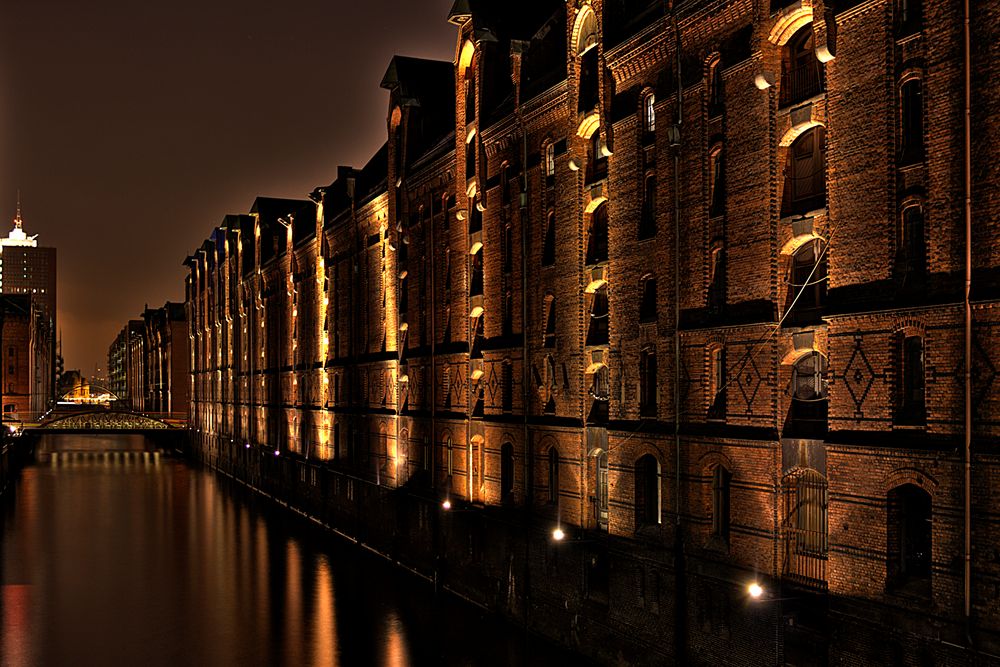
[[647, 306], [647, 383], [911, 123], [913, 408], [720, 502]]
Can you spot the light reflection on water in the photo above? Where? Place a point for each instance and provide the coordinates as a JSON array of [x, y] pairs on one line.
[[146, 563]]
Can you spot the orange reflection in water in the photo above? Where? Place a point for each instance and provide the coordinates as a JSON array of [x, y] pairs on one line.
[[396, 654], [324, 634], [15, 643]]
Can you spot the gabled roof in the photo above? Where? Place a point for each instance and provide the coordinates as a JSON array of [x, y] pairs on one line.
[[418, 77], [508, 20]]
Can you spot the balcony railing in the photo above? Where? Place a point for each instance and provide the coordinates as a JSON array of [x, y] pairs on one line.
[[801, 83]]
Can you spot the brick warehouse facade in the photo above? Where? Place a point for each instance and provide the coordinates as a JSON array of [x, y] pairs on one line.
[[685, 281]]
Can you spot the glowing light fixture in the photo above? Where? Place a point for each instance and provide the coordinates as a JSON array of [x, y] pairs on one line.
[[558, 535], [446, 504], [755, 590]]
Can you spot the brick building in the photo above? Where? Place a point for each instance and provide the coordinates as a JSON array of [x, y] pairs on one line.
[[123, 375], [26, 268], [684, 280], [148, 362], [27, 365]]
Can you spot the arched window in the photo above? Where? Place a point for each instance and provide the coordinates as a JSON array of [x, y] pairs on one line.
[[911, 122], [549, 245], [716, 93], [807, 417], [649, 113], [717, 277], [600, 392], [647, 299], [468, 53], [721, 480], [585, 43], [470, 156], [478, 337], [909, 540], [553, 487], [507, 399], [912, 407], [805, 174], [647, 492], [801, 71], [549, 337], [597, 331], [647, 220], [508, 248], [597, 235], [550, 162], [597, 162], [647, 383], [507, 473], [716, 183], [717, 383], [505, 184], [476, 277], [508, 314], [447, 269]]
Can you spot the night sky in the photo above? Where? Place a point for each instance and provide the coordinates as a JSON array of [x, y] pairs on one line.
[[133, 126]]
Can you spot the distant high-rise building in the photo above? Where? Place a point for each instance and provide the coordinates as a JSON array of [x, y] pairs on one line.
[[30, 270], [27, 268]]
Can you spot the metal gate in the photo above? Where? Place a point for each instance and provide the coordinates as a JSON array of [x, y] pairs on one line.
[[805, 527]]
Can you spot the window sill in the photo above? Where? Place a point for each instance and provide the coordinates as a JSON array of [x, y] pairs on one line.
[[909, 426], [787, 107], [909, 162]]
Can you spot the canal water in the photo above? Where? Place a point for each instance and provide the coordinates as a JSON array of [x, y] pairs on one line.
[[129, 560]]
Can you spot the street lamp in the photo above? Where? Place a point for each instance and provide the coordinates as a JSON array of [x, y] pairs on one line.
[[755, 590]]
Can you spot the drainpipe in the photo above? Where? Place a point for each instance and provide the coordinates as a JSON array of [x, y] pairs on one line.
[[677, 281], [433, 385], [524, 312], [967, 578], [681, 597]]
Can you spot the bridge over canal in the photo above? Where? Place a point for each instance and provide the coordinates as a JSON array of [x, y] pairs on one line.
[[71, 433]]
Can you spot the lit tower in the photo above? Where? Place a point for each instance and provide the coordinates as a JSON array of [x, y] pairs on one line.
[[29, 270]]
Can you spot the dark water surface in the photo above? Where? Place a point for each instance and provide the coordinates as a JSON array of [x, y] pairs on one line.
[[144, 562]]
